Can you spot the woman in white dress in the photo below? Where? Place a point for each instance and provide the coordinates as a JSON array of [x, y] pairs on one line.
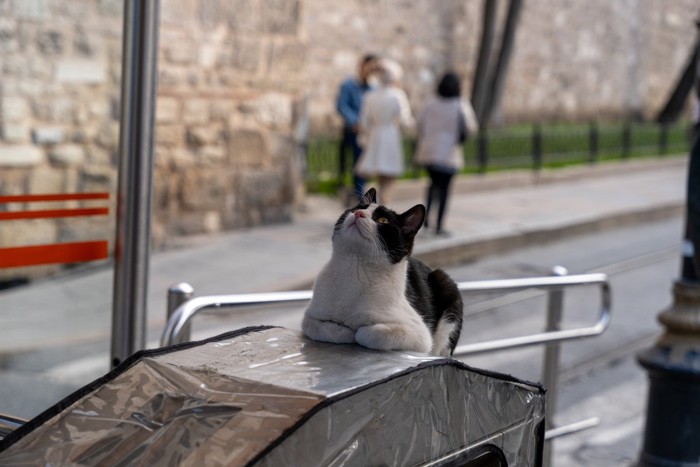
[[384, 111]]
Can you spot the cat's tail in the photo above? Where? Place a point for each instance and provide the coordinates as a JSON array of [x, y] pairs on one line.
[[447, 300]]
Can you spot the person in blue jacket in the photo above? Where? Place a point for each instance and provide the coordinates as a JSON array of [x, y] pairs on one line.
[[349, 104]]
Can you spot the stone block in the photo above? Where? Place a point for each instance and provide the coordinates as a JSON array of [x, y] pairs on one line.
[[8, 35], [98, 179], [50, 42], [288, 57], [243, 15], [243, 54], [80, 71], [46, 180], [171, 135], [48, 135], [28, 232], [31, 9], [67, 155], [167, 109], [108, 135], [212, 154], [13, 109], [24, 155], [280, 16], [180, 158], [181, 53], [85, 229], [273, 110], [204, 135], [196, 111], [203, 189], [248, 147], [14, 133]]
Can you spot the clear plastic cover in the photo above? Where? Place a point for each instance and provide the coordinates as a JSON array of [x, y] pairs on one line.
[[272, 397]]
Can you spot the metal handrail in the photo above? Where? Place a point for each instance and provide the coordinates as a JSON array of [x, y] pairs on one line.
[[554, 282], [184, 313]]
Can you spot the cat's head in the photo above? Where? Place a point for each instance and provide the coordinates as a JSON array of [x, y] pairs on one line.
[[376, 232]]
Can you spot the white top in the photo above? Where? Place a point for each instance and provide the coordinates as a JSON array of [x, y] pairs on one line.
[[383, 112], [438, 133]]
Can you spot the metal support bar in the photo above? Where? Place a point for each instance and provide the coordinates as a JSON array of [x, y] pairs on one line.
[[571, 428], [177, 295], [131, 253], [545, 337], [9, 423], [550, 364]]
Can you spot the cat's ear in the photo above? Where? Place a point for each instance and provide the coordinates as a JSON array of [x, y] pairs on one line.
[[412, 220], [370, 197]]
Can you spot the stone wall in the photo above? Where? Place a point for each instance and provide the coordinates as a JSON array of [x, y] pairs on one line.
[[573, 60], [230, 79], [237, 77]]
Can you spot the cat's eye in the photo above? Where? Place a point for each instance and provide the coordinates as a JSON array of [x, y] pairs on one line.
[[383, 220]]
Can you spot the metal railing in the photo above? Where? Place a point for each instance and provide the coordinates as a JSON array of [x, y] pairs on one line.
[[521, 147], [182, 313], [182, 309]]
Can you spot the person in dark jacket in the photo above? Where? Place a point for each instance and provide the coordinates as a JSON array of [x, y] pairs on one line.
[[349, 105]]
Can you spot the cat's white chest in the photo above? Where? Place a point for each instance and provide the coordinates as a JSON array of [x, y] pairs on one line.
[[361, 296]]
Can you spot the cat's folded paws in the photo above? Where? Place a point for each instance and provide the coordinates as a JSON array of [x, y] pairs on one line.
[[393, 337], [327, 331]]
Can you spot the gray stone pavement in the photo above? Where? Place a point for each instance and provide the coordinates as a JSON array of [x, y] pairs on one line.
[[487, 214]]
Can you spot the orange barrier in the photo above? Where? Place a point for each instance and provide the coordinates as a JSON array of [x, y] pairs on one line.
[[53, 254], [52, 197], [58, 253], [53, 213]]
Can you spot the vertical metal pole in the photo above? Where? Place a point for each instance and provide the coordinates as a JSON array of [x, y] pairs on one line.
[[550, 371], [626, 139], [537, 147], [672, 428], [177, 295], [593, 141], [483, 150], [138, 94]]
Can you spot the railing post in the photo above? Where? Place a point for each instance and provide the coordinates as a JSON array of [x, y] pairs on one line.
[[537, 147], [550, 367], [134, 196], [483, 150], [177, 295], [593, 141], [663, 139], [626, 139]]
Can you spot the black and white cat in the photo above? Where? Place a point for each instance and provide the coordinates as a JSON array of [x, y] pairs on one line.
[[374, 293]]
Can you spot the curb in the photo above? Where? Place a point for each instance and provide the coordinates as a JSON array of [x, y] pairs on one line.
[[451, 255], [455, 252]]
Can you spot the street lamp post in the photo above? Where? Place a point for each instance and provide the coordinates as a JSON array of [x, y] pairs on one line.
[[672, 431]]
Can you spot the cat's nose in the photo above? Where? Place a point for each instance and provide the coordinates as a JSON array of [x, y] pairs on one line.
[[359, 214]]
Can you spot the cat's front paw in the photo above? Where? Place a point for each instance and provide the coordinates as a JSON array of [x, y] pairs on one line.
[[327, 331], [393, 337]]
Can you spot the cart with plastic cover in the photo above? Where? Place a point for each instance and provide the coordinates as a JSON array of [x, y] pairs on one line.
[[269, 396]]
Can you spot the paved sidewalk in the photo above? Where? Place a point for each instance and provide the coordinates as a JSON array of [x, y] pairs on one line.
[[487, 214]]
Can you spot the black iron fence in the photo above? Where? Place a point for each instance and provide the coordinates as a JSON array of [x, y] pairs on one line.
[[521, 147]]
